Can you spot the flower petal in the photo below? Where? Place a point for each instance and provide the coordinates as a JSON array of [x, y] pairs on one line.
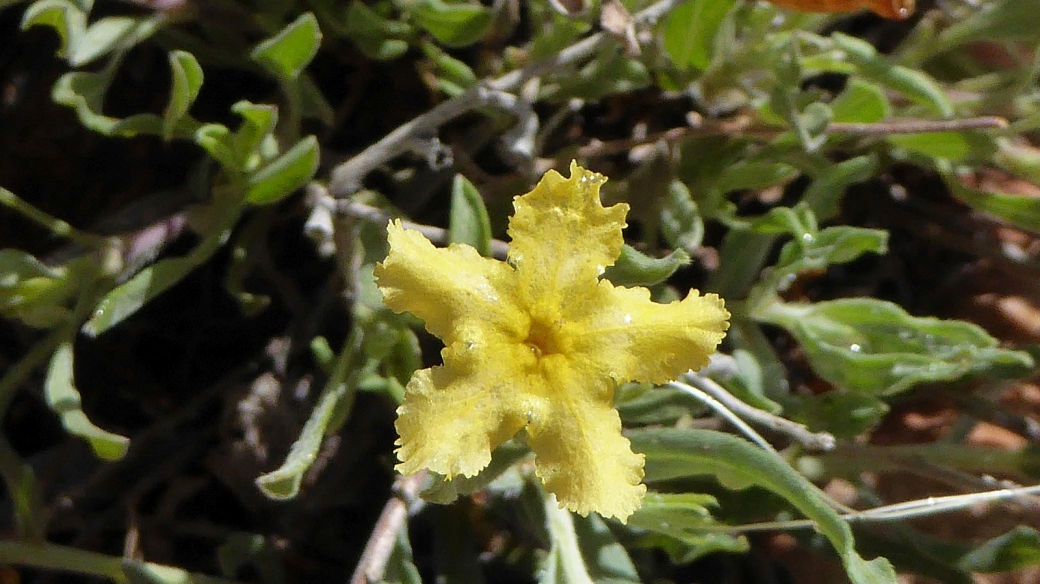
[[580, 453], [454, 415], [562, 236], [459, 294], [634, 339]]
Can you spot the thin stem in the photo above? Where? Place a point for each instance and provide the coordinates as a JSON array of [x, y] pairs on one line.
[[348, 176], [894, 512], [817, 441], [372, 565], [745, 126], [50, 556], [51, 223], [435, 234], [725, 412]]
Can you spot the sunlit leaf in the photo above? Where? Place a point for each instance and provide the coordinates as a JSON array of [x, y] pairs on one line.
[[453, 24], [869, 345], [287, 53], [1019, 210], [689, 32], [995, 21], [861, 103], [873, 66], [1014, 550], [468, 221], [285, 174], [634, 268], [673, 453]]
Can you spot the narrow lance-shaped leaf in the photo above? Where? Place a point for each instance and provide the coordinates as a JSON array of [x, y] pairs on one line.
[[455, 24], [469, 222], [127, 298], [285, 174], [63, 398], [335, 402], [634, 268], [737, 464], [187, 80], [912, 83]]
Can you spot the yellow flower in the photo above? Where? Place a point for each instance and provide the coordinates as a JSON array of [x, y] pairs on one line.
[[539, 343]]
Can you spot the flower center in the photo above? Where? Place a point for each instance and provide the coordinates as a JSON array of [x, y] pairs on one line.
[[543, 338]]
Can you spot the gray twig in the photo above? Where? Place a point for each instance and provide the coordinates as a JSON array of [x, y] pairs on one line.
[[347, 177], [372, 565], [816, 441]]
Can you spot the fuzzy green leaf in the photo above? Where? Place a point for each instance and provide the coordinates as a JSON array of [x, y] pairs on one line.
[[737, 464], [869, 345], [287, 53], [452, 24], [689, 32], [285, 174], [187, 81], [634, 268], [469, 222]]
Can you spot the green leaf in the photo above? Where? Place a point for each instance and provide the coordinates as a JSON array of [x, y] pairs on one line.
[[450, 72], [400, 568], [634, 268], [67, 19], [583, 551], [217, 141], [754, 380], [187, 80], [32, 292], [373, 34], [737, 464], [825, 193], [107, 35], [1014, 550], [258, 123], [127, 298], [844, 414], [995, 21], [834, 245], [443, 491], [285, 174], [287, 53], [284, 482], [64, 400], [861, 103], [331, 411], [953, 146], [1019, 210], [754, 175], [679, 515], [85, 92], [469, 222], [681, 223], [681, 524], [873, 66], [690, 29], [873, 346], [452, 24]]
